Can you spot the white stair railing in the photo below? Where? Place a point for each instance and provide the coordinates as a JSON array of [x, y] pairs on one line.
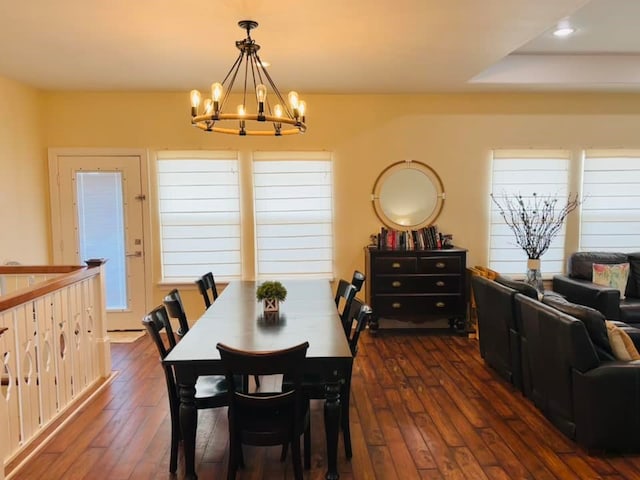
[[55, 348]]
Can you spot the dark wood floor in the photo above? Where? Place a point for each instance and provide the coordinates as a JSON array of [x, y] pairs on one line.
[[423, 407]]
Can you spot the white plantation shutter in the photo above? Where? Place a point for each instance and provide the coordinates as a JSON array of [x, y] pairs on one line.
[[293, 195], [544, 172], [610, 219], [199, 208]]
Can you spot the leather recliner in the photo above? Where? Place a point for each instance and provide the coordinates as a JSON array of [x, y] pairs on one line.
[[577, 286], [498, 329], [592, 401]]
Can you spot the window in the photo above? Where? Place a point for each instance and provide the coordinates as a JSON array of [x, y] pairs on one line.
[[526, 172], [610, 217], [293, 214], [199, 209], [201, 215]]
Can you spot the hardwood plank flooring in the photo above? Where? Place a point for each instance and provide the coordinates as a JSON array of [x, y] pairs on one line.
[[422, 407]]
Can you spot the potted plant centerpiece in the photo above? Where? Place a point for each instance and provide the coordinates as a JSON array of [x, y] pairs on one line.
[[535, 222], [271, 293]]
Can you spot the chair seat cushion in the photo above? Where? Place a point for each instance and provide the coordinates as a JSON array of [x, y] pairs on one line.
[[211, 385]]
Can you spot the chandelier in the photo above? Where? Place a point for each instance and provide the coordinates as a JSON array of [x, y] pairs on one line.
[[285, 119]]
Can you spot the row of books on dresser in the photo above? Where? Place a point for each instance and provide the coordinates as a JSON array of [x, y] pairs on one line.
[[427, 238]]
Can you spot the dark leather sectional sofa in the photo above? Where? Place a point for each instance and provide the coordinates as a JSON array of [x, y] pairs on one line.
[[557, 354]]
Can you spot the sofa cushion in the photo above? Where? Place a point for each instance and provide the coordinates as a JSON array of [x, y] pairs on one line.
[[518, 286], [613, 275], [621, 343], [579, 265], [593, 320]]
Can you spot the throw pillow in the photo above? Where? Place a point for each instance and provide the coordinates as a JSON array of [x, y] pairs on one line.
[[614, 276], [621, 343]]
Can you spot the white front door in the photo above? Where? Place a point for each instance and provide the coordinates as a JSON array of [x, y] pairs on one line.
[[99, 208]]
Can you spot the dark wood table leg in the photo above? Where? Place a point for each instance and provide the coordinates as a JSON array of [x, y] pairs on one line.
[[188, 426], [332, 428], [344, 420]]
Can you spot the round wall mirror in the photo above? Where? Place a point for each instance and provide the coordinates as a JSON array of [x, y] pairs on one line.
[[408, 195]]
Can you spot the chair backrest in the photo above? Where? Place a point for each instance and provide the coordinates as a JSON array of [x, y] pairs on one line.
[[239, 364], [358, 280], [345, 293], [155, 322], [175, 309], [206, 284], [360, 314]]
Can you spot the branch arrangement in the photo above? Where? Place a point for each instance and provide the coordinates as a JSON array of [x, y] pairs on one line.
[[534, 221]]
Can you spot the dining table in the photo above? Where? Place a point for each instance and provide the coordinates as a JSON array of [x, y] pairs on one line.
[[236, 318]]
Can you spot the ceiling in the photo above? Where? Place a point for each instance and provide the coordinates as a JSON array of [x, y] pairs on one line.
[[328, 46]]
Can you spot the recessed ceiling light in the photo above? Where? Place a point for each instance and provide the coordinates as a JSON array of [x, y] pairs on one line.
[[563, 31]]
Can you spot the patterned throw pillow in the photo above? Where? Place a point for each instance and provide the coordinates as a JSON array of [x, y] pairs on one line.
[[621, 343], [614, 276]]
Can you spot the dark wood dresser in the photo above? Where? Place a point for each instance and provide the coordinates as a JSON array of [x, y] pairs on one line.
[[417, 289]]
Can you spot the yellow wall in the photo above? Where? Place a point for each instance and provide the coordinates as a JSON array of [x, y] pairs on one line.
[[24, 191], [452, 133]]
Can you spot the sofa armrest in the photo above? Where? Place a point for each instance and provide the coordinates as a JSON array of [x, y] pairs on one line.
[[583, 292], [606, 402]]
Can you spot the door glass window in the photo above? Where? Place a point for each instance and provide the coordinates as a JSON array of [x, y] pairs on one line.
[[101, 229]]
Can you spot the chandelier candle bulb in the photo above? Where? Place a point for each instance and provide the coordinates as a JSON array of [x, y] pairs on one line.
[[261, 93], [302, 108], [255, 75], [216, 91], [195, 102], [208, 106], [293, 99]]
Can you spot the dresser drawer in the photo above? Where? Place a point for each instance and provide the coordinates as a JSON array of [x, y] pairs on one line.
[[396, 265], [417, 284], [439, 265], [393, 305]]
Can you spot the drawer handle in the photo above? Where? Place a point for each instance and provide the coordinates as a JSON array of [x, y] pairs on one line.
[[440, 304], [396, 305], [396, 284], [395, 265], [440, 265], [439, 283]]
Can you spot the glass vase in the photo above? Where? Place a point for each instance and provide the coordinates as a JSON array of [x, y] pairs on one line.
[[534, 275]]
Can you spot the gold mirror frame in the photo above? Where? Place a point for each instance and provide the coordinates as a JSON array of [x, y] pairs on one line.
[[408, 195]]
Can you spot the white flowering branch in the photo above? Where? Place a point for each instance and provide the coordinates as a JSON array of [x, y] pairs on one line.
[[534, 221]]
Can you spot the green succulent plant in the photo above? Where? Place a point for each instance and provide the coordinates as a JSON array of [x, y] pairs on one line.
[[271, 289]]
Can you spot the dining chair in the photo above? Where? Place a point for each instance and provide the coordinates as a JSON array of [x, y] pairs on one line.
[[358, 280], [345, 293], [267, 418], [211, 391], [207, 288], [175, 308], [314, 386]]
